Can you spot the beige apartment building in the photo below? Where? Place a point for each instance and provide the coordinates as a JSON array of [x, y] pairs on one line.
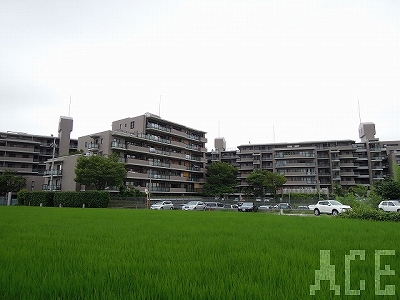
[[27, 154], [162, 156], [313, 166]]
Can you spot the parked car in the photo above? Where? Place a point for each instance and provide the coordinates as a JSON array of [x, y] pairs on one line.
[[214, 205], [247, 206], [194, 205], [162, 205], [303, 207], [264, 207], [390, 205], [231, 206], [258, 199], [330, 207], [283, 206]]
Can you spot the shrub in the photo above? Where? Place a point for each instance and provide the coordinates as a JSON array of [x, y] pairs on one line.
[[78, 199], [367, 213], [35, 198]]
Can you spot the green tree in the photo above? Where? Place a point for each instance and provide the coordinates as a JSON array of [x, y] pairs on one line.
[[261, 180], [221, 179], [388, 188], [10, 181], [396, 172], [361, 191], [275, 181], [257, 180], [100, 171]]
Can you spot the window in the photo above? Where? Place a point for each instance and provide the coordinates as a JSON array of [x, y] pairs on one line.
[[132, 124], [32, 185]]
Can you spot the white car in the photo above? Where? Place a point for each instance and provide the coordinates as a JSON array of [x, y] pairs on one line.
[[194, 205], [162, 205], [390, 205], [330, 207]]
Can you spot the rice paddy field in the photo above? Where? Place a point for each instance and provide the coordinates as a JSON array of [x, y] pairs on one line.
[[66, 253]]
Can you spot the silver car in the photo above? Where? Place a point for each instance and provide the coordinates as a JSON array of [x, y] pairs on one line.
[[194, 205], [390, 205], [162, 205]]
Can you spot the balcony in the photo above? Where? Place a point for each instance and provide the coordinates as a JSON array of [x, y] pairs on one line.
[[55, 173], [135, 175], [118, 145], [47, 187], [93, 147], [178, 167], [18, 149]]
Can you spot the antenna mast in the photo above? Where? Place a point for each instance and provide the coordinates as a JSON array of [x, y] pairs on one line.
[[359, 113], [69, 108]]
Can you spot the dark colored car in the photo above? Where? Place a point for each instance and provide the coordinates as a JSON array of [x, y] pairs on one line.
[[247, 206], [214, 205], [283, 206]]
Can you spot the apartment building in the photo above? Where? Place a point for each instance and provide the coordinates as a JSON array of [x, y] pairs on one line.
[[27, 154], [162, 156], [313, 166]]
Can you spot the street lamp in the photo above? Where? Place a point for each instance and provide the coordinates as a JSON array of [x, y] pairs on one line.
[[52, 163]]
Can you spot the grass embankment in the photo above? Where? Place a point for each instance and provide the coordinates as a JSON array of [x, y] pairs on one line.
[[63, 253]]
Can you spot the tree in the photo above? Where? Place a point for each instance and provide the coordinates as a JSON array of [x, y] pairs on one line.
[[263, 179], [257, 180], [221, 179], [359, 190], [11, 182], [396, 172], [275, 181], [387, 188], [100, 171]]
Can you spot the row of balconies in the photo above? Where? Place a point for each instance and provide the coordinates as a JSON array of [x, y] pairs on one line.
[[170, 131], [163, 177]]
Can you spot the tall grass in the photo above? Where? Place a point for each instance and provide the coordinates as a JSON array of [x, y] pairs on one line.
[[62, 253]]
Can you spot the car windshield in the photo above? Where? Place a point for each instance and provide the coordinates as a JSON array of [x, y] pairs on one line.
[[247, 203], [334, 202], [192, 203], [158, 203], [396, 202]]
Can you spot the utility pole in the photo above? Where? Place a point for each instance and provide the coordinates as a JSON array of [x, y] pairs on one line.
[[52, 163]]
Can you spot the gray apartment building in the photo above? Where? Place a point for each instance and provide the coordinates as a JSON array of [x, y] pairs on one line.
[[171, 159], [165, 157], [27, 154], [313, 166]]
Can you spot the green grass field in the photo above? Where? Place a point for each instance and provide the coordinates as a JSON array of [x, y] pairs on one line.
[[63, 253]]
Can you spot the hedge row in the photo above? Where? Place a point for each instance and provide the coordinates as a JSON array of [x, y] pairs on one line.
[[372, 214], [66, 199]]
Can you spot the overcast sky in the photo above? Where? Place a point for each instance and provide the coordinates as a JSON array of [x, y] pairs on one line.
[[249, 71]]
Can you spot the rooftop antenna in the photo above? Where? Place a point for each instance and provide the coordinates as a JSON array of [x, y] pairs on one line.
[[159, 107], [69, 107], [359, 113], [273, 133]]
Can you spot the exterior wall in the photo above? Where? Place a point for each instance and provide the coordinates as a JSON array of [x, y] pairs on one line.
[[64, 132], [27, 154], [96, 143], [63, 174], [310, 166], [163, 156]]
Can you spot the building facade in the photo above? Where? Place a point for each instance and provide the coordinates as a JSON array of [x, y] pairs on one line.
[[27, 154], [313, 166], [163, 157]]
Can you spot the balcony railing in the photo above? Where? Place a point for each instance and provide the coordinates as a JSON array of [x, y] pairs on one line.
[[47, 187], [55, 172]]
